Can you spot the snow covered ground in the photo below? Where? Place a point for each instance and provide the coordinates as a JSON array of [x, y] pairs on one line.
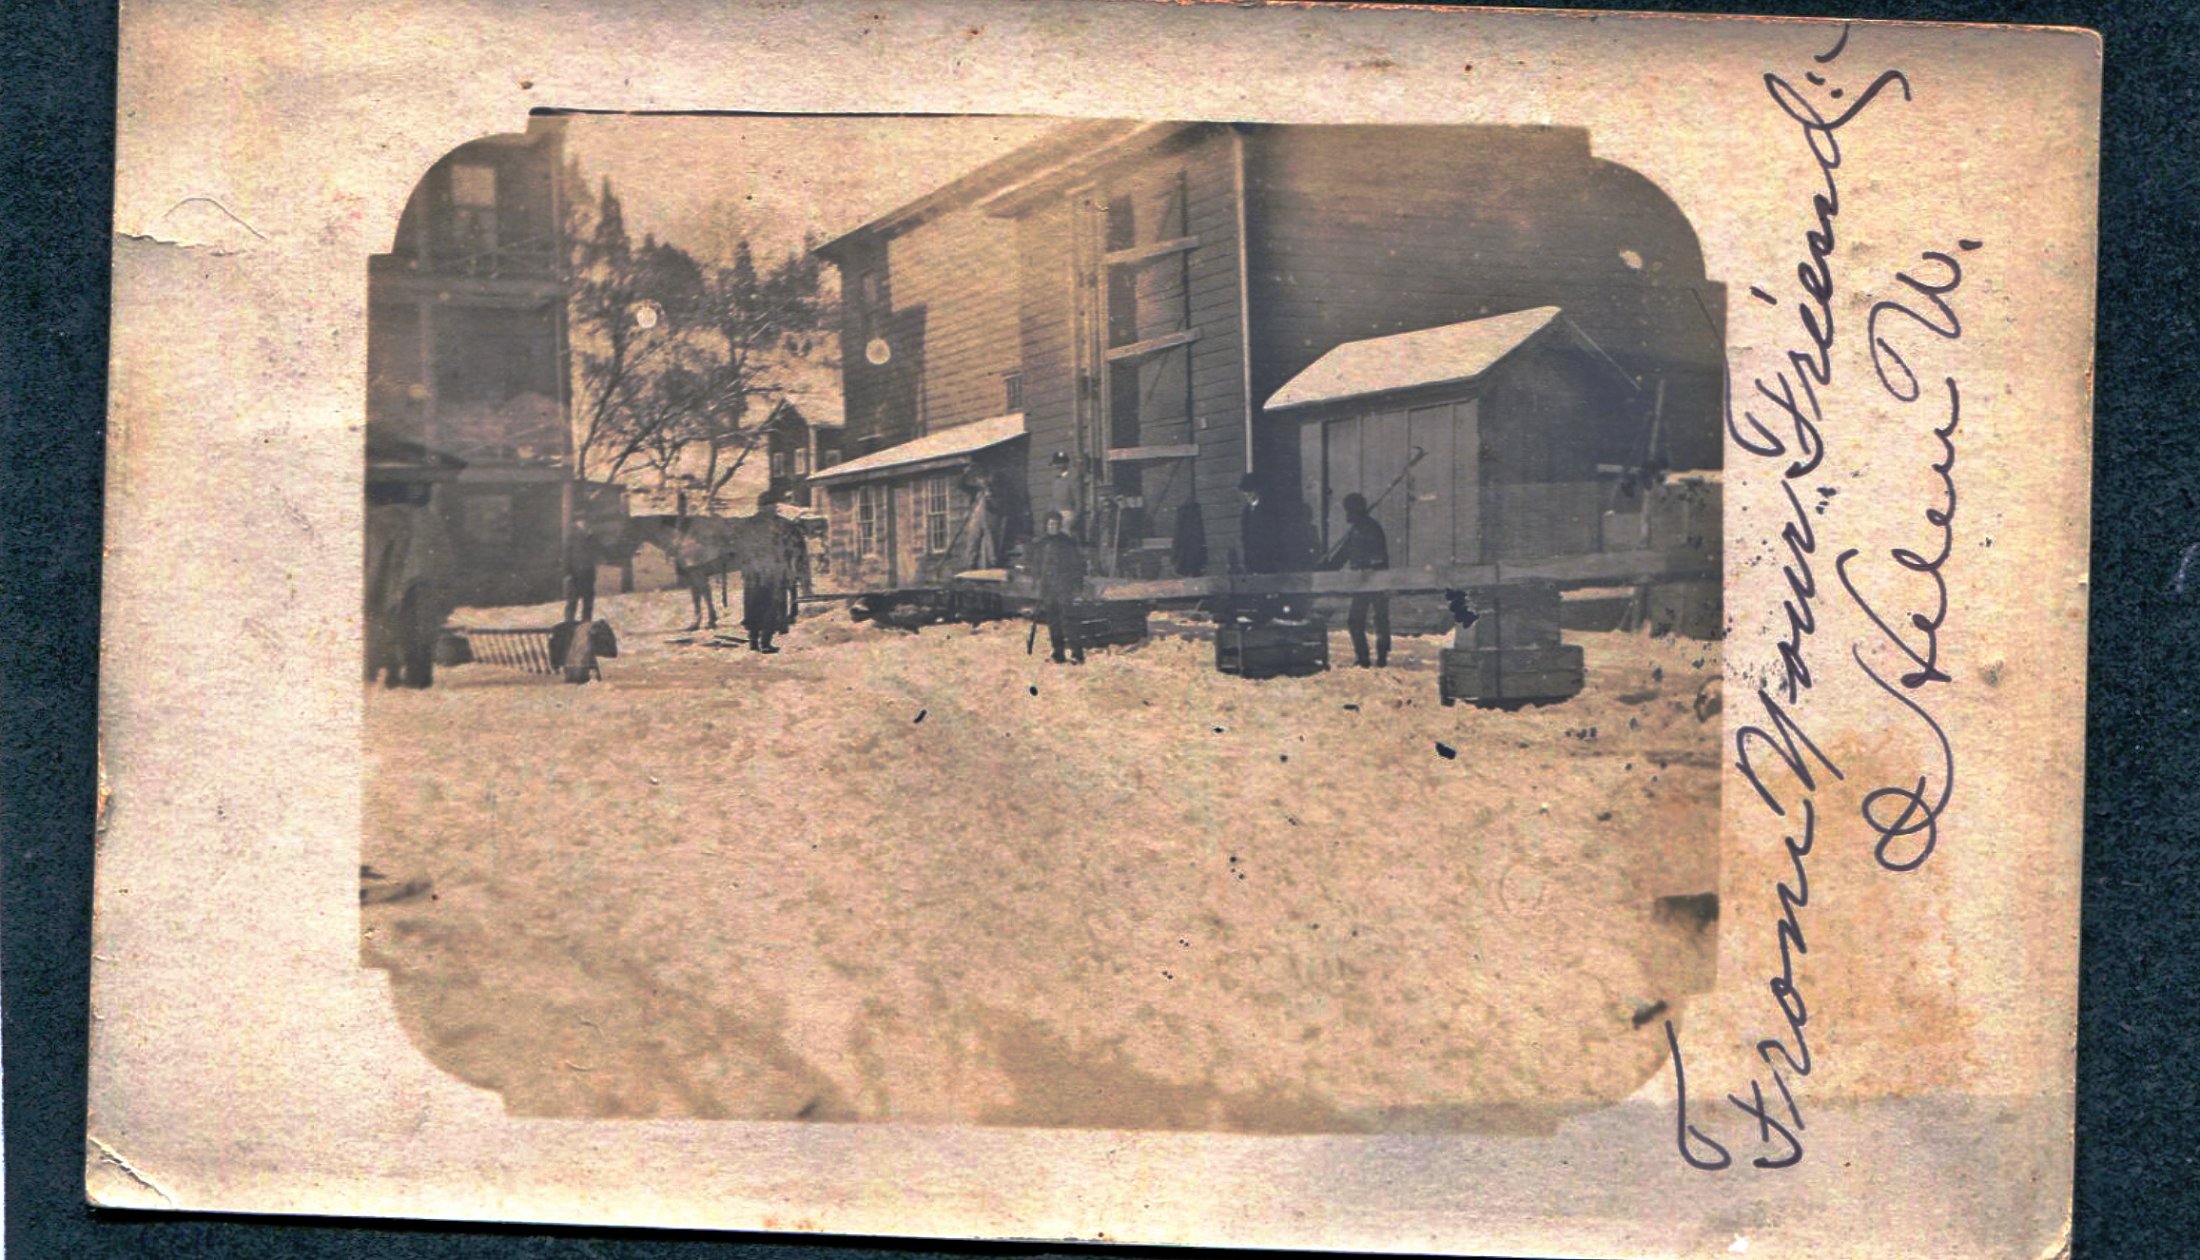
[[931, 878]]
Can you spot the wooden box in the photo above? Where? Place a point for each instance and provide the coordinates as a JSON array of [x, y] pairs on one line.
[[1516, 615], [1509, 676], [1271, 649], [1110, 625]]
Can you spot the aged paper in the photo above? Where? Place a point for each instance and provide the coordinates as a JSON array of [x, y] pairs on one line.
[[1685, 421]]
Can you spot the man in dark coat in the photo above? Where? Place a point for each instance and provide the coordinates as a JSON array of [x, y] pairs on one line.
[[1274, 536], [768, 575], [583, 552], [1060, 565], [409, 568], [1364, 548], [1063, 498]]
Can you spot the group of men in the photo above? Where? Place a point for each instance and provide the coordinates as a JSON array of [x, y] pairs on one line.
[[410, 558], [1275, 536], [771, 576]]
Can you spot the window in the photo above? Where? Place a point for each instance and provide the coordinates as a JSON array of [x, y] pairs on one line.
[[1012, 387], [867, 520], [934, 496], [474, 207], [801, 461], [779, 463]]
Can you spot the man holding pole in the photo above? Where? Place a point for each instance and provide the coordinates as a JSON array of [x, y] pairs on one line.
[[1364, 548]]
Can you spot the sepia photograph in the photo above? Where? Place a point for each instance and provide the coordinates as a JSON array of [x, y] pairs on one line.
[[1381, 630], [1104, 624]]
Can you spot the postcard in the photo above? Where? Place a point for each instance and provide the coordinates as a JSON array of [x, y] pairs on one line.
[[1370, 629]]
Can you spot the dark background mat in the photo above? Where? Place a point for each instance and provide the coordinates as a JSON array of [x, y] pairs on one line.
[[2137, 1168]]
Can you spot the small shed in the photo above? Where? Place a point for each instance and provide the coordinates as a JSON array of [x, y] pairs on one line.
[[1504, 438]]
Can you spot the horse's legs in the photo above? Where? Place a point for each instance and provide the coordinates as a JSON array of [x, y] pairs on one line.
[[695, 601]]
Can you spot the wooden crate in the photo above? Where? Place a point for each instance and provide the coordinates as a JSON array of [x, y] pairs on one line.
[[1111, 625], [1516, 615], [1271, 649], [1505, 676]]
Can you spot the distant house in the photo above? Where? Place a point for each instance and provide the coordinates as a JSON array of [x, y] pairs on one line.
[[803, 436], [466, 358], [1138, 296]]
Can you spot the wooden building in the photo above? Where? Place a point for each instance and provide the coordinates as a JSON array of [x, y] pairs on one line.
[[466, 356], [1140, 293], [803, 436], [904, 518], [1499, 439]]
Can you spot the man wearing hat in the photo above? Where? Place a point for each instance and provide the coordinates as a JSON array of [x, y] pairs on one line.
[[1274, 535], [1060, 566], [1062, 494]]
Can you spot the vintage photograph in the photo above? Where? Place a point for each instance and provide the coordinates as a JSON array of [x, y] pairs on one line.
[[1058, 623], [1350, 628]]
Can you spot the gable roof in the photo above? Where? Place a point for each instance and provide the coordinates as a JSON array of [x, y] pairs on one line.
[[1449, 354], [819, 411], [947, 446]]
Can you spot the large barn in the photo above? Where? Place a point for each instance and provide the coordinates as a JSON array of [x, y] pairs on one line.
[[1499, 333]]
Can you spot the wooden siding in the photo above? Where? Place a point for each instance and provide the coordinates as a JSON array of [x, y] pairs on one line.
[[1202, 281], [1549, 418], [960, 270], [1043, 287], [1360, 232], [905, 558]]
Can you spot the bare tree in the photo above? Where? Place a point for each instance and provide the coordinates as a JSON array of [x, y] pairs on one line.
[[676, 362]]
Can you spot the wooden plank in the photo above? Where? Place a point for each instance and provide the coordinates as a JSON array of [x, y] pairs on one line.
[[1141, 454], [1148, 253], [1152, 345], [1627, 568]]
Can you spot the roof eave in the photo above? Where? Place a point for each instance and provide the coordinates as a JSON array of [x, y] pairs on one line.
[[1013, 168], [1461, 383]]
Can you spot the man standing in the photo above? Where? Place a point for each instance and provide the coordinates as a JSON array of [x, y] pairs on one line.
[[767, 576], [409, 569], [1364, 548], [1060, 565], [582, 554], [1062, 494], [1274, 536]]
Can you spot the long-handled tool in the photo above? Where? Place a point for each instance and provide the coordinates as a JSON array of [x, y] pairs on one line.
[[1415, 456]]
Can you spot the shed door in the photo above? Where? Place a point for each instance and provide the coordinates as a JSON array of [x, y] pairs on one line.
[[1342, 438], [1385, 449], [1431, 487], [1419, 469]]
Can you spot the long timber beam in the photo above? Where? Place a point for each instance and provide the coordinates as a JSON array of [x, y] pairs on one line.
[[1611, 568]]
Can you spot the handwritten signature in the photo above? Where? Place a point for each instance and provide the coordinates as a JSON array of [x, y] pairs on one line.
[[1774, 753]]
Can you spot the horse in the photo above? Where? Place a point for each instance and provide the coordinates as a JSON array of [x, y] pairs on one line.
[[703, 547]]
